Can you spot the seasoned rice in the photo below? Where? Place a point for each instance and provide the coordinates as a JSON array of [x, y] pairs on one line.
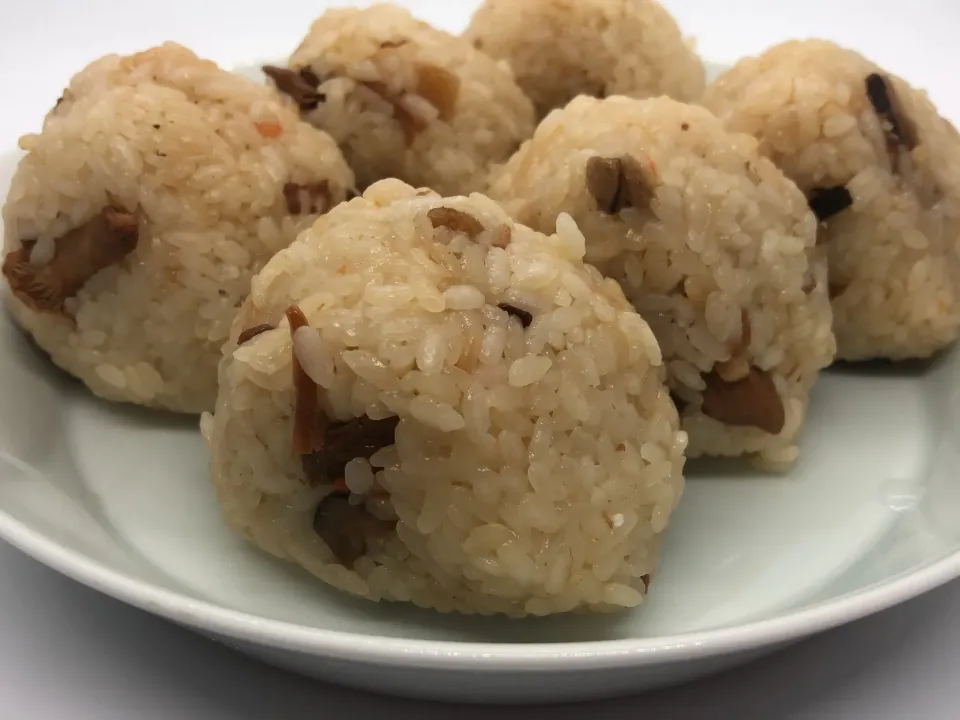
[[882, 170], [406, 100], [203, 168], [559, 49], [712, 245], [516, 449]]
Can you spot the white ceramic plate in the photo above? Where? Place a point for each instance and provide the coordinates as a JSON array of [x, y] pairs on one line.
[[118, 499]]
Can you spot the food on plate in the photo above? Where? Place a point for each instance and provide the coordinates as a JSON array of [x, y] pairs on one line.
[[455, 311], [559, 49], [404, 99], [710, 242], [428, 402], [157, 187], [881, 170]]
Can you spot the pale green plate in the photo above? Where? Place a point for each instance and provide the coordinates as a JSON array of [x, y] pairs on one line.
[[119, 499]]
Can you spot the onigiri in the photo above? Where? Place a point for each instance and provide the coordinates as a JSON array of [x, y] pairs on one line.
[[881, 171], [711, 243], [424, 401], [405, 100], [158, 186], [559, 49]]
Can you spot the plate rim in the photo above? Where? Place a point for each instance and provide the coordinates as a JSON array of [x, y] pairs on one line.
[[456, 655]]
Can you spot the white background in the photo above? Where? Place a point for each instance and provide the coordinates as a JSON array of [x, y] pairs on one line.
[[66, 652]]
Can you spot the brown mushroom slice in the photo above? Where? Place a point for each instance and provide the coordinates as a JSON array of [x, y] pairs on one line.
[[78, 255], [347, 528], [751, 401], [309, 421], [439, 87], [301, 85], [827, 202], [523, 316], [307, 199], [883, 98], [326, 448], [456, 220], [617, 183], [636, 191], [603, 181], [346, 441]]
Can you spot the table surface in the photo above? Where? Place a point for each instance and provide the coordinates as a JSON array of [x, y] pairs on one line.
[[67, 652]]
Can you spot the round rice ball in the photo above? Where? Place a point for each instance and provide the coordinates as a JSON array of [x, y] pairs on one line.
[[559, 49], [881, 170], [429, 403], [141, 211], [711, 243], [406, 100]]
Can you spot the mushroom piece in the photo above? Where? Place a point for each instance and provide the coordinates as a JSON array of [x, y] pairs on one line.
[[883, 98], [523, 316], [751, 401], [309, 421], [456, 220], [347, 528], [301, 85], [439, 87], [325, 448], [345, 441], [827, 202], [78, 255], [617, 183]]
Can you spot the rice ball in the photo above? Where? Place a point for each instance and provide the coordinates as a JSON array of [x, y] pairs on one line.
[[559, 49], [141, 211], [712, 245], [881, 170], [406, 100], [426, 402]]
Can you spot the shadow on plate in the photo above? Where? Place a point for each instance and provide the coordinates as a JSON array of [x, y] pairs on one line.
[[727, 469], [400, 619], [143, 417], [912, 368]]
